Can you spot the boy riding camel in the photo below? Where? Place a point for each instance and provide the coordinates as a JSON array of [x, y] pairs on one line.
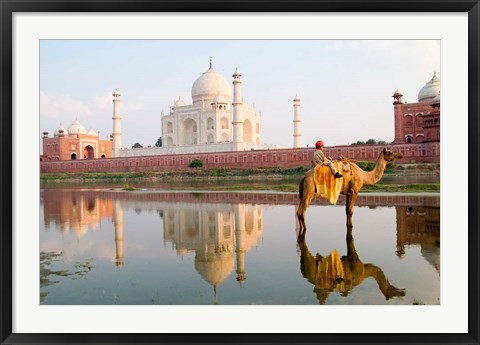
[[320, 159]]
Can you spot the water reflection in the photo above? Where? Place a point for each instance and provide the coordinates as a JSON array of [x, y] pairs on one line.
[[419, 225], [342, 274], [218, 230], [219, 237]]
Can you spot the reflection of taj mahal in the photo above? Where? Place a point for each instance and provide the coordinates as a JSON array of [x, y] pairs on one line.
[[219, 236]]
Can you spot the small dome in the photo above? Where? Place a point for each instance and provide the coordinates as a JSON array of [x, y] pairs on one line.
[[209, 85], [430, 90], [76, 128], [397, 93], [179, 103], [57, 131], [92, 132], [237, 73], [219, 99]]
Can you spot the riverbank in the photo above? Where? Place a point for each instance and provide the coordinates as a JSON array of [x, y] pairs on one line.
[[293, 188], [219, 174], [271, 179]]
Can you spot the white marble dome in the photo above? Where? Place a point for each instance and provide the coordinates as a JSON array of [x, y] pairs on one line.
[[219, 99], [436, 100], [430, 90], [76, 128], [179, 103], [214, 268], [209, 85], [57, 131], [92, 132]]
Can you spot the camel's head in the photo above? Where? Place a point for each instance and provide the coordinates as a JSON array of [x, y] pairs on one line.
[[389, 155]]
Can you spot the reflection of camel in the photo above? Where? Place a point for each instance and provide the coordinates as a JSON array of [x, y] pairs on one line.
[[342, 275], [353, 180]]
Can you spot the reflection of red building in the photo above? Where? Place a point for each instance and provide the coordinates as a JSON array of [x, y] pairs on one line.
[[418, 122], [419, 225], [75, 212], [74, 143]]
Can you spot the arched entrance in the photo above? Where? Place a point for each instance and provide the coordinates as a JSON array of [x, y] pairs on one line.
[[190, 132], [73, 156], [247, 132], [88, 152]]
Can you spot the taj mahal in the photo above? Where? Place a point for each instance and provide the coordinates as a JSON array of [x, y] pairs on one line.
[[215, 121], [212, 118]]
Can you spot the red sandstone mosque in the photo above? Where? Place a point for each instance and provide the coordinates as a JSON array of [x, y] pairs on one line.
[[417, 135], [418, 122]]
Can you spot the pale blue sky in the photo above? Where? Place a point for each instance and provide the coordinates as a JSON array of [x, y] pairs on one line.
[[345, 86]]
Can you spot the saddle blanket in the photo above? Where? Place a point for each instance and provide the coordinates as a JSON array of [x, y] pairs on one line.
[[326, 185]]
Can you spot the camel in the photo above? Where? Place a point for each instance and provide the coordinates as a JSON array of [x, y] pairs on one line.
[[352, 181], [342, 274]]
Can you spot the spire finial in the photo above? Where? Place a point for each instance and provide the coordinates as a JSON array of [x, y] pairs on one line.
[[215, 299], [210, 62]]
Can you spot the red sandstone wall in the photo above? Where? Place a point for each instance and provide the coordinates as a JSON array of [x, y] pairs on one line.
[[415, 129], [286, 158]]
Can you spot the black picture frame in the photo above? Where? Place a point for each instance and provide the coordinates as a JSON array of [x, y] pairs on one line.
[[9, 7]]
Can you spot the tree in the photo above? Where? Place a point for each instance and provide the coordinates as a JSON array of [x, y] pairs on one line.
[[159, 142], [370, 141], [196, 163], [137, 146]]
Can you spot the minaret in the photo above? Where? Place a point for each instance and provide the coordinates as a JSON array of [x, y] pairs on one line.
[[118, 224], [117, 124], [240, 242], [297, 122], [398, 118], [237, 121]]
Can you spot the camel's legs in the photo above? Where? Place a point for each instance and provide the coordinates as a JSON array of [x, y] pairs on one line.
[[301, 211], [349, 207]]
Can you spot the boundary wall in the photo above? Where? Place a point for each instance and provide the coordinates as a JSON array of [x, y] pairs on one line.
[[285, 158]]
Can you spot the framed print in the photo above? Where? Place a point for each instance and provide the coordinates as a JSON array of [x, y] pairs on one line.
[[182, 217]]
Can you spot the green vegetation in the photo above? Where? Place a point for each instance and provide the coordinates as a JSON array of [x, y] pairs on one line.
[[49, 274], [126, 186], [404, 188], [159, 142], [274, 178], [137, 146], [370, 141], [196, 163], [391, 167], [417, 302]]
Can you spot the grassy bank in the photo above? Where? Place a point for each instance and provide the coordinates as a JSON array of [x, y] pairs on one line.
[[212, 174], [173, 175], [272, 179]]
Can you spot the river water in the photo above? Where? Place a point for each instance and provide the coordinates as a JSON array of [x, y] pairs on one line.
[[152, 246]]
